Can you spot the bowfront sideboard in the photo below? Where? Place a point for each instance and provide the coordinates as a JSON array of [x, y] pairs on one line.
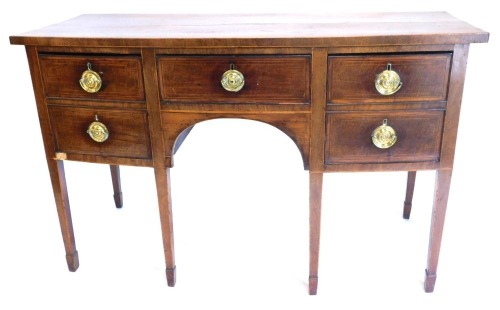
[[355, 92]]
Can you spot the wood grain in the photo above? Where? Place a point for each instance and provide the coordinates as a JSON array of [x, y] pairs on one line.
[[128, 132], [318, 110], [121, 76], [424, 77], [349, 137], [256, 30], [271, 79]]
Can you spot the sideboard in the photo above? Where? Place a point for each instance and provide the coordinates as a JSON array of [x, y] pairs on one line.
[[355, 92]]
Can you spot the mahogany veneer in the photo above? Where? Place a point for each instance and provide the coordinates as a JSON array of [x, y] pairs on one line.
[[271, 79], [419, 137], [122, 76], [311, 76], [425, 77]]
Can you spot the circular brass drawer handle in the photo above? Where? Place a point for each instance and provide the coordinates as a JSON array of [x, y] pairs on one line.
[[98, 131], [232, 80], [384, 136], [90, 81], [388, 81]]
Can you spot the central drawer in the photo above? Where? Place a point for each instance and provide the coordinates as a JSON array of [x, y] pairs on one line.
[[267, 79]]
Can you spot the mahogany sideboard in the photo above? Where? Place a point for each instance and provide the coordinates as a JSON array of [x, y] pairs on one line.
[[355, 92]]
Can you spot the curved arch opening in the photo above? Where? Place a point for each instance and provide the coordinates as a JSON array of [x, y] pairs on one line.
[[261, 137]]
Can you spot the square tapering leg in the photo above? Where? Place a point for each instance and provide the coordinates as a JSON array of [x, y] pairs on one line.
[[58, 179], [410, 187], [165, 206], [315, 195], [442, 189], [117, 186]]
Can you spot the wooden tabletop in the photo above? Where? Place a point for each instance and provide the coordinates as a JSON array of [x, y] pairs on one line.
[[289, 30]]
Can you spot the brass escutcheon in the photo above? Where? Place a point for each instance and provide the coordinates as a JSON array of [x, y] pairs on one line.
[[98, 131], [232, 80], [384, 136], [90, 81], [388, 81]]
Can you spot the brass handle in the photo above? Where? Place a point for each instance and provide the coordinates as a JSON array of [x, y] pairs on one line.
[[90, 81], [98, 131], [388, 81], [384, 136], [232, 80]]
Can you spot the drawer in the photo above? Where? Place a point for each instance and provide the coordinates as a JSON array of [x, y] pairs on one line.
[[121, 76], [128, 132], [267, 79], [349, 137], [424, 77]]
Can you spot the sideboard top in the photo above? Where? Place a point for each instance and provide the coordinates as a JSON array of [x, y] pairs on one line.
[[266, 30]]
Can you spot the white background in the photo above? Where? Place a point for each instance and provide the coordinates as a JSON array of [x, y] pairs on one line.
[[241, 201]]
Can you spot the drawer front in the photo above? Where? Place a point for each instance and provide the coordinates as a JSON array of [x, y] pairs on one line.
[[128, 132], [349, 137], [424, 77], [121, 77], [267, 79]]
